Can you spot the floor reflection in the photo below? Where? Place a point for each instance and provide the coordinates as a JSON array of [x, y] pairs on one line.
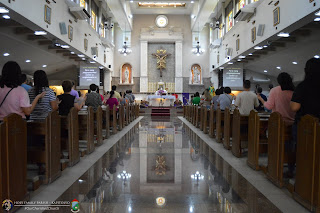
[[162, 166]]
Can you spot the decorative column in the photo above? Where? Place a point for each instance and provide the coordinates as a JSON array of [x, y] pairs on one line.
[[178, 68], [144, 66], [107, 80]]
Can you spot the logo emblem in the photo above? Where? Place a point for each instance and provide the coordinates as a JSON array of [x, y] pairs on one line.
[[7, 205], [75, 206]]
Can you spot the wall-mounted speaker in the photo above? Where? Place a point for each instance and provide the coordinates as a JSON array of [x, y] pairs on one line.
[[260, 30], [212, 66], [63, 28], [109, 66], [94, 51]]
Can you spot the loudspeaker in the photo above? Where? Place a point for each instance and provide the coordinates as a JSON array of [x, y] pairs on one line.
[[94, 51], [109, 66], [260, 30], [63, 28], [212, 66]]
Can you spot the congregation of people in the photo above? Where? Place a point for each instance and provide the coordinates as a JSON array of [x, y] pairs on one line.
[[35, 101]]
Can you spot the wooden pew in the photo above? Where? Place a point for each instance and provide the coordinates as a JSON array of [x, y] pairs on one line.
[[70, 137], [114, 120], [86, 130], [239, 133], [49, 153], [219, 127], [257, 139], [307, 185], [278, 133], [121, 116], [197, 116], [106, 124], [201, 117], [127, 115], [206, 120], [227, 132], [13, 155], [98, 138], [212, 123]]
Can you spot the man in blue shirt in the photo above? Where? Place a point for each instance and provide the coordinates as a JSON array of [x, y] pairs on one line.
[[24, 81]]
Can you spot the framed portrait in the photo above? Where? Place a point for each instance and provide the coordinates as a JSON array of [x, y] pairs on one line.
[[237, 44], [253, 34], [276, 16], [85, 44], [70, 32], [47, 14]]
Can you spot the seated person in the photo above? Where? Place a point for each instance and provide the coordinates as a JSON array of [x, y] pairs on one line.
[[178, 103], [48, 103], [246, 100], [112, 101], [14, 98], [67, 101], [225, 99], [263, 97], [196, 99], [93, 98]]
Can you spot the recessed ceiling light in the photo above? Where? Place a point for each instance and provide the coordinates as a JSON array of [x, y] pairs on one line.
[[317, 56], [28, 61], [230, 63], [265, 46], [317, 19], [72, 53], [239, 60], [40, 32], [279, 68], [193, 16], [44, 66], [101, 67], [92, 62], [295, 62], [6, 54], [250, 54], [57, 44], [285, 35], [6, 17], [65, 46], [192, 2], [221, 68], [4, 10], [242, 56], [265, 71], [83, 58], [258, 48], [131, 1], [130, 16], [81, 55], [318, 13]]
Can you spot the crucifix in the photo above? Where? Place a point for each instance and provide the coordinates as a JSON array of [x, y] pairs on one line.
[[161, 56]]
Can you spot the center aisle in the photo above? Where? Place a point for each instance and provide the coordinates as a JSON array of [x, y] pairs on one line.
[[154, 168]]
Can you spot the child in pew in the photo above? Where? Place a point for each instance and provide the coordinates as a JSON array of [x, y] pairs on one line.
[[67, 101], [305, 100], [14, 98], [48, 103]]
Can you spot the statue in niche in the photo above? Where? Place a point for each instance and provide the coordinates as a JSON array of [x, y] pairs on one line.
[[196, 75], [126, 76]]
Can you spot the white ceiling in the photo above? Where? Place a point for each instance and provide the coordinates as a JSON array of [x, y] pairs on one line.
[[175, 11]]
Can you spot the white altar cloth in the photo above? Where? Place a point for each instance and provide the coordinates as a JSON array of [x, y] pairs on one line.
[[158, 100]]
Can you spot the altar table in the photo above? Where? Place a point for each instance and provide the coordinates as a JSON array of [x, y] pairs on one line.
[[161, 100]]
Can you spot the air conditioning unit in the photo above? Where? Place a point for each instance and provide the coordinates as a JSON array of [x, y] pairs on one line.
[[244, 14], [79, 13], [216, 43]]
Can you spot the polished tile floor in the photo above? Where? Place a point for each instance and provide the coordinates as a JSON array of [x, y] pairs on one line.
[[163, 166]]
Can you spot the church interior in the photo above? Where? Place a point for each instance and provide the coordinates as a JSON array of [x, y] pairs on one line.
[[178, 106]]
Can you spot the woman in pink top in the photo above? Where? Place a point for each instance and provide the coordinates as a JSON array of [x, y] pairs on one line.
[[14, 98], [112, 101], [280, 97]]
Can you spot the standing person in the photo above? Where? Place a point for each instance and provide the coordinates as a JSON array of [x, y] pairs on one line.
[[207, 98], [196, 99], [74, 92], [98, 91], [225, 99], [263, 97], [24, 82], [270, 88], [246, 100], [280, 97], [93, 98], [14, 98], [48, 103], [215, 98], [67, 101], [116, 94]]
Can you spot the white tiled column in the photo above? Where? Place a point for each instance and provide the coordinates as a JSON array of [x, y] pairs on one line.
[[178, 78], [107, 80], [144, 66]]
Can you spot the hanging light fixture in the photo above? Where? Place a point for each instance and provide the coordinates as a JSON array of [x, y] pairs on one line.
[[125, 50], [198, 50]]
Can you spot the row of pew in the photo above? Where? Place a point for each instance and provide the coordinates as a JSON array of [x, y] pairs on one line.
[[262, 135], [36, 152]]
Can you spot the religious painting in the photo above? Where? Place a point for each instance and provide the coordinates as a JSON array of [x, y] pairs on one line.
[[196, 74], [229, 21], [126, 74], [47, 14], [70, 32], [253, 34], [276, 16]]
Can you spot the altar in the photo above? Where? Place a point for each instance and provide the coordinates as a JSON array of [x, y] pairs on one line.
[[161, 100]]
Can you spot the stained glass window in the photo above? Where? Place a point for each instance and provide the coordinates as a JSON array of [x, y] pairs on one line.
[[240, 4], [229, 21], [83, 3]]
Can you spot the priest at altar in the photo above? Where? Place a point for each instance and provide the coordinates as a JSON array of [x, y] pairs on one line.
[[161, 98]]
